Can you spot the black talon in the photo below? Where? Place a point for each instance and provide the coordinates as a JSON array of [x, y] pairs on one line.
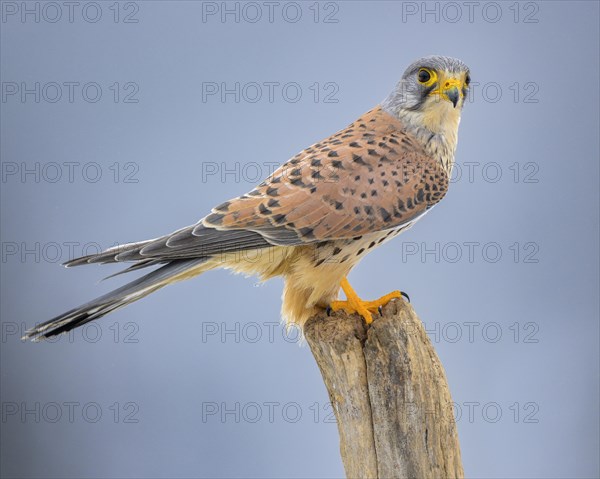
[[328, 310], [405, 295]]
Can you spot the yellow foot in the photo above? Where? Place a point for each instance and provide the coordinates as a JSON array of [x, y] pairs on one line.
[[354, 304]]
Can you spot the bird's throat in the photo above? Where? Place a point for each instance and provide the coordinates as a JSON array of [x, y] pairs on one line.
[[436, 129]]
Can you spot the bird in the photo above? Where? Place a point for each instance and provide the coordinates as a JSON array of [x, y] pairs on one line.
[[315, 217]]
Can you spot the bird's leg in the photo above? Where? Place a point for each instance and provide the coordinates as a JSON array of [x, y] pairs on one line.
[[354, 304]]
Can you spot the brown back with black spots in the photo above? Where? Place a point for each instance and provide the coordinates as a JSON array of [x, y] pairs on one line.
[[369, 177]]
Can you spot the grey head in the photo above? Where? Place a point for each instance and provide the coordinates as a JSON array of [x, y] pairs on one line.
[[430, 80]]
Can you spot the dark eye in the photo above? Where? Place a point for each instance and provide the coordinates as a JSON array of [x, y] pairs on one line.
[[467, 79], [424, 76]]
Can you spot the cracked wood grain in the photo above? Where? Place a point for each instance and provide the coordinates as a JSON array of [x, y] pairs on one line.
[[389, 393]]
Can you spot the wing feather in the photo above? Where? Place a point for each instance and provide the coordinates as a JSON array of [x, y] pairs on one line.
[[371, 176]]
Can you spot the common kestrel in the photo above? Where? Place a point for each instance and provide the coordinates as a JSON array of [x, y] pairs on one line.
[[320, 213]]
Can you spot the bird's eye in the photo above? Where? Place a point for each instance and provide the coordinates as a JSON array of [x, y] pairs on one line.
[[424, 76], [467, 79]]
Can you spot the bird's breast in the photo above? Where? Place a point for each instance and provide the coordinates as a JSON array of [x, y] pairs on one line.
[[346, 253]]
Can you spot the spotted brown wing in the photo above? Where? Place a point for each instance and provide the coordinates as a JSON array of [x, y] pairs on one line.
[[371, 176]]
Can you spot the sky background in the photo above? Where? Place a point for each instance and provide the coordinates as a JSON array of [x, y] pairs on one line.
[[125, 121]]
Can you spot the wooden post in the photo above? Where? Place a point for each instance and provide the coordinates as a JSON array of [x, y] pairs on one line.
[[389, 393]]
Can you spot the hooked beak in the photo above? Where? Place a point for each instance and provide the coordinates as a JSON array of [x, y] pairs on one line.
[[450, 89], [453, 95]]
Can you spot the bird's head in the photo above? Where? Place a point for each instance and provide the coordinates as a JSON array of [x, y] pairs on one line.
[[432, 92]]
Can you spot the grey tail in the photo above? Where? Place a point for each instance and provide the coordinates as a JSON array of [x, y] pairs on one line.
[[109, 302]]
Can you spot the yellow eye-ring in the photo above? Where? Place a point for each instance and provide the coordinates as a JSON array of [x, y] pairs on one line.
[[424, 75]]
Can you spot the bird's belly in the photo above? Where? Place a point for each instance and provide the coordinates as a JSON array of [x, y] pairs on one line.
[[351, 251]]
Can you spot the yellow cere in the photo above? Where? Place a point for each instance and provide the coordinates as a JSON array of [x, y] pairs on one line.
[[447, 83]]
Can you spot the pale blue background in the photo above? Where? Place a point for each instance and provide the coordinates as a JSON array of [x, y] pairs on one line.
[[171, 371]]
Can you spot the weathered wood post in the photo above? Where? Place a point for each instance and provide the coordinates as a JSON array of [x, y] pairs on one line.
[[389, 393]]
